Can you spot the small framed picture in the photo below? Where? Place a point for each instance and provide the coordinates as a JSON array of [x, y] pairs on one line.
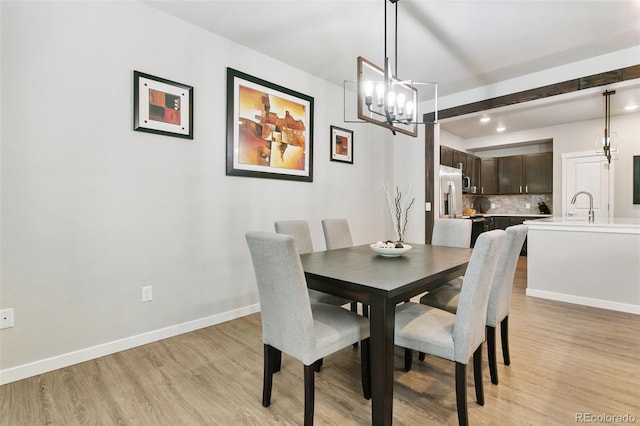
[[162, 106], [341, 145]]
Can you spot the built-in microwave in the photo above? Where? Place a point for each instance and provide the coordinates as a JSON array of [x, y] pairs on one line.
[[466, 184]]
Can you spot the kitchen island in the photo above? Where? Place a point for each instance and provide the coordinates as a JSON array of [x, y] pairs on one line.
[[593, 264]]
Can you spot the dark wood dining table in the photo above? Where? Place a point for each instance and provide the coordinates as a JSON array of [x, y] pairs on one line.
[[358, 273]]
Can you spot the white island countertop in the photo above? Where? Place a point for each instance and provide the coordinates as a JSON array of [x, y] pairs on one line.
[[625, 225]]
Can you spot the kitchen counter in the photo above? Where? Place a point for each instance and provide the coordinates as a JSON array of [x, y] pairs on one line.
[[536, 215], [593, 264], [616, 224]]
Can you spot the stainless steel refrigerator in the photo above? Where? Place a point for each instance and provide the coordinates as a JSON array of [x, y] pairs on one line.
[[450, 192]]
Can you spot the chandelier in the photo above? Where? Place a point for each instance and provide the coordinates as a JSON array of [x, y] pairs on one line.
[[384, 99], [606, 144]]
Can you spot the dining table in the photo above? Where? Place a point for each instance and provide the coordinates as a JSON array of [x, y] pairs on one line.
[[359, 274]]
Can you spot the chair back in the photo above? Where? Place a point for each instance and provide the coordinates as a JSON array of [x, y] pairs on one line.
[[452, 233], [300, 231], [287, 322], [500, 296], [336, 233], [471, 316]]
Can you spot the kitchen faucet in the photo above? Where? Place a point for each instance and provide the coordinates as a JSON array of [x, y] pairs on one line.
[[573, 201]]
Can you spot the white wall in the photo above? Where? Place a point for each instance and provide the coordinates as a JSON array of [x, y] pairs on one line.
[[408, 175], [92, 211]]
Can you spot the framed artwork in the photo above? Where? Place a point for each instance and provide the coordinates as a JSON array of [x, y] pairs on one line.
[[162, 106], [269, 129], [341, 145]]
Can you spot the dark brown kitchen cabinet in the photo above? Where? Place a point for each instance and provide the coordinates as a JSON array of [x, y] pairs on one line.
[[503, 222], [526, 174], [538, 173], [488, 176], [510, 175], [460, 158], [473, 170], [471, 166], [446, 156]]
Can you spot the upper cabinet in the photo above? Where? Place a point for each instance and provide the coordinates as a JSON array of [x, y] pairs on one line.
[[518, 174], [460, 161], [488, 176], [446, 156], [538, 173], [470, 163], [510, 175], [473, 169]]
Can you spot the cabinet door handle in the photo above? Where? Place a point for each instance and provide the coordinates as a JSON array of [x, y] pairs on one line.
[[526, 188], [521, 189], [482, 189]]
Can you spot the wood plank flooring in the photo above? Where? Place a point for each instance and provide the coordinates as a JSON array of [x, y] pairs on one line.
[[565, 359]]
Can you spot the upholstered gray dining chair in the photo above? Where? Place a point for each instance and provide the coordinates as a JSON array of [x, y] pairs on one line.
[[300, 231], [447, 297], [291, 324], [451, 233], [337, 235], [455, 336]]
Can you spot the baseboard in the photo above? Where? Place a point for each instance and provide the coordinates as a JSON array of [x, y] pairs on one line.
[[60, 361], [585, 301]]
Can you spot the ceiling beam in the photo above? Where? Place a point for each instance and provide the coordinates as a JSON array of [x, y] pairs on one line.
[[602, 79]]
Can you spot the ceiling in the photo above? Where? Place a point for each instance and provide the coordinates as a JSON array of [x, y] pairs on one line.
[[461, 44]]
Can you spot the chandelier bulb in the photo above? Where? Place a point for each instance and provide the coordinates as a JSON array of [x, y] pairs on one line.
[[400, 99], [380, 93], [408, 107], [391, 100], [368, 88]]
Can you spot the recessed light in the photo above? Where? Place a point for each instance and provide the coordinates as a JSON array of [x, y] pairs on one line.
[[500, 129], [485, 119], [631, 107]]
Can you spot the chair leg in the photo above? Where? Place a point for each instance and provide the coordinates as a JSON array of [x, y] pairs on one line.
[[421, 356], [408, 358], [354, 309], [269, 364], [365, 365], [309, 389], [461, 394], [491, 354], [277, 360], [477, 375], [504, 336]]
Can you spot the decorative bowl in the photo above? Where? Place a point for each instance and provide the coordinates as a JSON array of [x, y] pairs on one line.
[[469, 212], [390, 252]]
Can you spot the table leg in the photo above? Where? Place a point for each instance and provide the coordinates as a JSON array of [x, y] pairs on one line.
[[381, 323]]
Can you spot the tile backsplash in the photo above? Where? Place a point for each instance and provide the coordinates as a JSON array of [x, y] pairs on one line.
[[512, 204]]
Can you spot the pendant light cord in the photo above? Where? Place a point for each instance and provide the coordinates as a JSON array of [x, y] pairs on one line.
[[395, 33]]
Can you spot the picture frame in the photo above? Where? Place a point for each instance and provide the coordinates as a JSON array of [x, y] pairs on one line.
[[341, 145], [162, 106], [269, 129]]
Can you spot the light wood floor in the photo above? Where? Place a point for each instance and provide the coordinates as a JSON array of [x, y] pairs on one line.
[[566, 359]]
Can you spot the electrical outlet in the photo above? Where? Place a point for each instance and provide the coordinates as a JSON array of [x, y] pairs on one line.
[[493, 205], [147, 293], [6, 318], [527, 205]]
